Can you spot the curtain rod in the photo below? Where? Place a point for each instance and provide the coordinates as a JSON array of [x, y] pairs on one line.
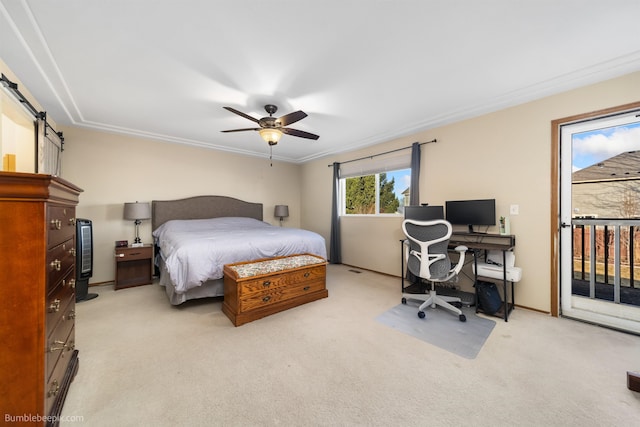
[[382, 154], [13, 87]]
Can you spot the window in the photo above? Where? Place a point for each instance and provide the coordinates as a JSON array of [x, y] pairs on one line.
[[379, 193]]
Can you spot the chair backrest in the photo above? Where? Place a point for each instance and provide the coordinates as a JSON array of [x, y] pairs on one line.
[[428, 243]]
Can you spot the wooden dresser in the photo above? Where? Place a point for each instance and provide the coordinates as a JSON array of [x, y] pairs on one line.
[[255, 289], [38, 360]]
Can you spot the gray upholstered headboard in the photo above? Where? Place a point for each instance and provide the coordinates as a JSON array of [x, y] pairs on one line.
[[202, 207]]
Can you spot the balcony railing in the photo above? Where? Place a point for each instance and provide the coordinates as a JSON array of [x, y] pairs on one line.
[[606, 259]]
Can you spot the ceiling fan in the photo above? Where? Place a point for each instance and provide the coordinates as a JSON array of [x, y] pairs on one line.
[[271, 128]]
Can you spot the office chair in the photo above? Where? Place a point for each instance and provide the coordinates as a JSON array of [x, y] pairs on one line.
[[428, 259]]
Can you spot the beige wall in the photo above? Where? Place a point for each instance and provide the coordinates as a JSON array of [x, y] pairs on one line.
[[114, 169], [504, 155]]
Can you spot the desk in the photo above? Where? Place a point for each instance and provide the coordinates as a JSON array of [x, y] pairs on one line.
[[480, 242], [477, 243]]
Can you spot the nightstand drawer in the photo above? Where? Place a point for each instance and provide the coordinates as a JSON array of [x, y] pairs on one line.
[[134, 266], [129, 254]]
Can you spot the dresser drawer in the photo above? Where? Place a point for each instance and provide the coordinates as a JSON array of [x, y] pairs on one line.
[[278, 280], [57, 305], [266, 298], [56, 373], [60, 342], [60, 260], [61, 223]]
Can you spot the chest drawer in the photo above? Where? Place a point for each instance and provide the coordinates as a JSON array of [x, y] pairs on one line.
[[283, 293], [60, 260], [279, 280], [61, 224]]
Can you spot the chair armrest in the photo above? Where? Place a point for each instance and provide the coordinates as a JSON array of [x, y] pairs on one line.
[[461, 248]]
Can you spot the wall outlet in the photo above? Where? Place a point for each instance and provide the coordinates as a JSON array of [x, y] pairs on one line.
[[514, 209]]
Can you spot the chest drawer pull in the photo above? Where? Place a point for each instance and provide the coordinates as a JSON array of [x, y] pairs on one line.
[[266, 299], [72, 251], [306, 288], [55, 388], [72, 283], [55, 306], [307, 274], [70, 316], [72, 221], [56, 264], [266, 283], [56, 224]]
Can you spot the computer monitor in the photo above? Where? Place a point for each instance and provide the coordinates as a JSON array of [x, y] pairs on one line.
[[423, 213], [471, 212]]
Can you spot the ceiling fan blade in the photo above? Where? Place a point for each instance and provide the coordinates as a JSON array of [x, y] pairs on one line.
[[290, 118], [240, 113], [299, 133], [239, 130]]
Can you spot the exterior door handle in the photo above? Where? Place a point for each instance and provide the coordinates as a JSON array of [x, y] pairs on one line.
[[564, 225]]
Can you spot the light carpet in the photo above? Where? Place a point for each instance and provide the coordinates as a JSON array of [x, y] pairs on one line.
[[441, 328]]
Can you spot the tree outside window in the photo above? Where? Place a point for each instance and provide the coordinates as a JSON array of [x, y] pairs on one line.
[[374, 194]]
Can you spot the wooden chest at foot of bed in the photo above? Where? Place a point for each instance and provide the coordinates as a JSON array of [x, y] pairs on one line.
[[255, 289]]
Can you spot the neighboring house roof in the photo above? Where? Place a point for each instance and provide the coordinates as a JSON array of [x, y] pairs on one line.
[[405, 192], [624, 166]]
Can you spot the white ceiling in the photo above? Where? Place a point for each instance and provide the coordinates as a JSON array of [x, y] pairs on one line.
[[365, 71]]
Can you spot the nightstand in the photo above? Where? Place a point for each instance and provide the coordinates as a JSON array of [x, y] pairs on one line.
[[134, 266]]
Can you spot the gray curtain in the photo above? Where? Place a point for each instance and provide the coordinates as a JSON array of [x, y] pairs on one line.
[[335, 251], [414, 197]]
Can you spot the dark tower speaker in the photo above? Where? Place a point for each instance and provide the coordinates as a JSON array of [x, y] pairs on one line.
[[84, 259]]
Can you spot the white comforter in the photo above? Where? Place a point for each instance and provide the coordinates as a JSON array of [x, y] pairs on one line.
[[195, 251]]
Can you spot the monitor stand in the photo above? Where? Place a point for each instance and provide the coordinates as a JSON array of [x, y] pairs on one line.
[[474, 232]]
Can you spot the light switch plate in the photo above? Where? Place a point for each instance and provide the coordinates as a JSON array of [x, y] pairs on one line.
[[514, 209]]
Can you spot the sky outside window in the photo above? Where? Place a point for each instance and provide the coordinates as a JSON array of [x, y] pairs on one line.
[[597, 145]]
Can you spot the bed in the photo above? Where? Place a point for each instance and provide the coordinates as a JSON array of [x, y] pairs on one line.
[[195, 237]]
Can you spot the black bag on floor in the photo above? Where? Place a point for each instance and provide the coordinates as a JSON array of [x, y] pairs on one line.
[[488, 297]]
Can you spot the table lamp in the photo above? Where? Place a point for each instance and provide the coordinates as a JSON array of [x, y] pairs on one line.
[[281, 211], [137, 212]]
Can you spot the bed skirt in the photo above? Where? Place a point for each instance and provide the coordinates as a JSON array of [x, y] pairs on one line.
[[210, 288]]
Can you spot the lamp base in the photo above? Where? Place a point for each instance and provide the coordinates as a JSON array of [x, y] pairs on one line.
[[137, 245]]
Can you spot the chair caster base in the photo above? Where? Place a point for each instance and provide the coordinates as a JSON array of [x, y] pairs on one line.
[[462, 318], [404, 301], [421, 314]]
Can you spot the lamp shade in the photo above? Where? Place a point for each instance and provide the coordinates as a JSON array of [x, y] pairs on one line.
[[281, 211], [270, 135], [137, 210]]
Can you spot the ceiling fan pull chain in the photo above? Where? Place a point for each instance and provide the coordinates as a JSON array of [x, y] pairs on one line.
[[271, 155]]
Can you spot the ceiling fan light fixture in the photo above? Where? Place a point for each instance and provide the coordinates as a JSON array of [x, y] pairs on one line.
[[270, 135]]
